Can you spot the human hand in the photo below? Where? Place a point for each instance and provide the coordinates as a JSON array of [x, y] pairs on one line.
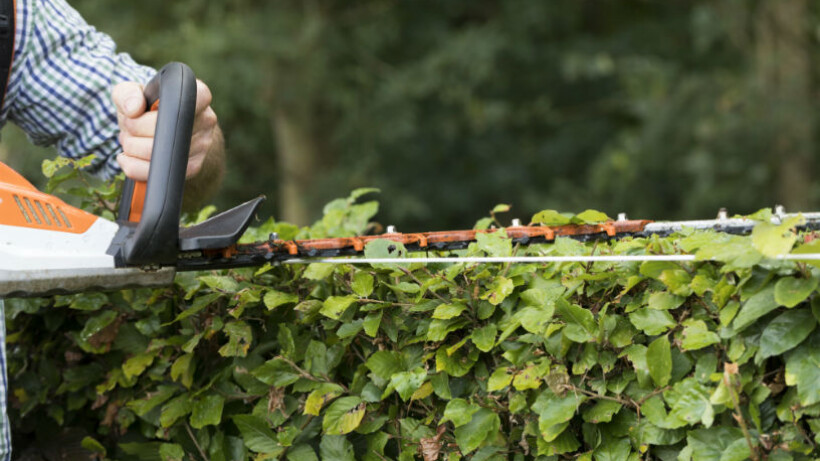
[[137, 129]]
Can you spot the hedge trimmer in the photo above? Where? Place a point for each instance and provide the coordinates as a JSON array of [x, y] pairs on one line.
[[48, 246]]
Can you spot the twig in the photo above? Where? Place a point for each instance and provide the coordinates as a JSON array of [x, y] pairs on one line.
[[415, 279], [193, 439], [738, 414]]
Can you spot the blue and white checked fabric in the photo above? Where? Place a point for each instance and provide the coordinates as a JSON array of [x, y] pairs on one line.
[[59, 93], [59, 90]]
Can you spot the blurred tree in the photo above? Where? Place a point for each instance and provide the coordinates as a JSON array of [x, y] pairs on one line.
[[659, 109]]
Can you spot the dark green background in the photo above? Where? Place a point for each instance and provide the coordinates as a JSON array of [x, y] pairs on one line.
[[658, 109]]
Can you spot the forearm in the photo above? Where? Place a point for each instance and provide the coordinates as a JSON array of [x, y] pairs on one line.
[[206, 183]]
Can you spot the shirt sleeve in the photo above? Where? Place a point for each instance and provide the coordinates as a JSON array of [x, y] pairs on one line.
[[59, 90]]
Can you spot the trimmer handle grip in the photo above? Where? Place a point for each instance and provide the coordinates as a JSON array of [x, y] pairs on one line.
[[157, 209]]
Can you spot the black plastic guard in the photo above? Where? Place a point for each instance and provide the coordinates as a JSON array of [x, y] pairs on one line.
[[220, 231]]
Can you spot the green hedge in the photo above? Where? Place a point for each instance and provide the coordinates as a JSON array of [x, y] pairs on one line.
[[710, 360]]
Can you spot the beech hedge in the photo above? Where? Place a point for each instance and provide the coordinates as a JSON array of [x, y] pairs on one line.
[[715, 359]]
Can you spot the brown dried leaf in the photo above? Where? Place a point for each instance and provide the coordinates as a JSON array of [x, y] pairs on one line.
[[73, 357], [110, 414], [430, 447], [276, 399], [101, 399], [107, 335]]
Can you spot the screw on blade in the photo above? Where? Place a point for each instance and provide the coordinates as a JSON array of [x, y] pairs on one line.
[[722, 214], [274, 236], [391, 229], [621, 216], [516, 222]]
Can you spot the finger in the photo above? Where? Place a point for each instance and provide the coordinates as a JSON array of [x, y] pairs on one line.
[[205, 121], [134, 168], [194, 165], [143, 126], [137, 147], [203, 96], [128, 99]]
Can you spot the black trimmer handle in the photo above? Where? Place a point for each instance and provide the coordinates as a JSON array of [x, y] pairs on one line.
[[155, 239]]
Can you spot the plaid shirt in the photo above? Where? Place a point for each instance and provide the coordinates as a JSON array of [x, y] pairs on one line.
[[59, 92]]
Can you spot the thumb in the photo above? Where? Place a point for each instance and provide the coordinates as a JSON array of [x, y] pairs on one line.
[[129, 99]]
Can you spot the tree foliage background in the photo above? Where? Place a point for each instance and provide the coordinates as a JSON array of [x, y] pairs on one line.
[[659, 109]]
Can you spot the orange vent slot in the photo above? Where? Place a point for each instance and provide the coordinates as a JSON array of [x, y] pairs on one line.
[[22, 205]]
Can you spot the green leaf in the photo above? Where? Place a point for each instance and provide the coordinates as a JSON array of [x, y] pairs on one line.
[[755, 307], [408, 382], [555, 411], [335, 306], [689, 403], [494, 243], [613, 450], [659, 361], [320, 396], [501, 208], [601, 412], [275, 372], [383, 248], [240, 338], [456, 364], [678, 281], [302, 453], [89, 302], [662, 300], [95, 324], [785, 332], [710, 444], [220, 282], [481, 427], [318, 271], [143, 406], [197, 305], [448, 311], [527, 378], [484, 337], [336, 448], [459, 412], [772, 240], [371, 323], [256, 434], [581, 326], [138, 363], [734, 250], [384, 364], [696, 335], [274, 299], [171, 452], [498, 290], [590, 217], [92, 445], [550, 218], [500, 379], [803, 370], [343, 415], [173, 410], [362, 284], [207, 411], [791, 291]]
